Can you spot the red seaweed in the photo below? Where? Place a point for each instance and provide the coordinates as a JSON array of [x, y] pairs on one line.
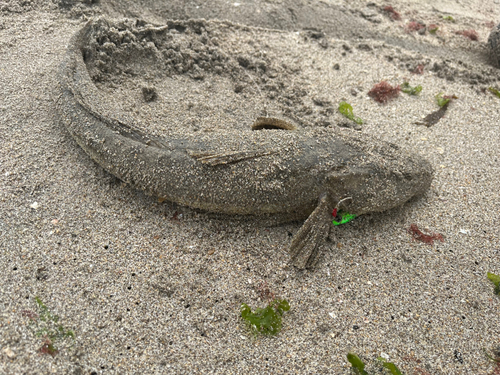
[[471, 34], [490, 24], [383, 91], [264, 292], [420, 236], [419, 69], [48, 348], [415, 26], [396, 16], [30, 314]]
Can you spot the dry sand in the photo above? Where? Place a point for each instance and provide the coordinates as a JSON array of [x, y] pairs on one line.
[[151, 287]]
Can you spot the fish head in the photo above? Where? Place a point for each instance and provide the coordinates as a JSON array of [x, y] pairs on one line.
[[381, 179]]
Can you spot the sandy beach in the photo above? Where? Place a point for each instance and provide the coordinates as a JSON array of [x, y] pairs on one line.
[[127, 283]]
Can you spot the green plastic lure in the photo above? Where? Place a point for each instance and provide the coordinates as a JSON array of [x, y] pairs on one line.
[[345, 217]]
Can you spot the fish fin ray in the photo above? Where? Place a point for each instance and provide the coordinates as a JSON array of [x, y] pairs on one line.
[[306, 245]]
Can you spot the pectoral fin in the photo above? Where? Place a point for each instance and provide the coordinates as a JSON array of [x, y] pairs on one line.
[[305, 249], [217, 158]]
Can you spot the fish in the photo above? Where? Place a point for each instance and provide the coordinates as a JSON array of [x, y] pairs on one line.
[[274, 168]]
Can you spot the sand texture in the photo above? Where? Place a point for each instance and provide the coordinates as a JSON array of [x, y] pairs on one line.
[[149, 286]]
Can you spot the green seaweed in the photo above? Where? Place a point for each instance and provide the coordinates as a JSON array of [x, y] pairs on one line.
[[45, 314], [441, 101], [390, 366], [267, 320], [357, 364], [496, 359], [449, 18], [346, 109], [495, 279], [433, 30], [494, 91], [45, 324], [407, 89]]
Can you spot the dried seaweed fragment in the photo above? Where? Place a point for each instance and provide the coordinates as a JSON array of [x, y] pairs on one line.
[[346, 109], [495, 358], [434, 117], [420, 236], [265, 292], [267, 320], [383, 91], [495, 279]]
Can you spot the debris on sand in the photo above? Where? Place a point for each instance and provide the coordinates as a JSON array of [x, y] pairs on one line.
[[427, 238], [407, 89], [383, 91], [416, 26], [432, 28], [444, 100], [265, 321], [494, 91], [346, 109], [392, 13], [471, 34], [495, 279], [419, 69], [433, 118]]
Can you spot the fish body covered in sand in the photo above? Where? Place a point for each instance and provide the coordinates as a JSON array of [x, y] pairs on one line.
[[272, 169]]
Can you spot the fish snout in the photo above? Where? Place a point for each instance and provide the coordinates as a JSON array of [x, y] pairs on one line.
[[415, 178], [411, 176]]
